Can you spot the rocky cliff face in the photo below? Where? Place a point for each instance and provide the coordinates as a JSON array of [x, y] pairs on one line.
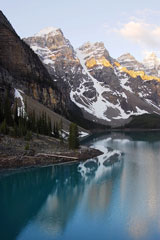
[[86, 85], [128, 61], [150, 64], [60, 59], [106, 91], [120, 93], [21, 68], [55, 51]]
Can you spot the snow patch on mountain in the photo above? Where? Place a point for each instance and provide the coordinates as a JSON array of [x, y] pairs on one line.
[[83, 134], [49, 30], [93, 50], [130, 113], [17, 94], [44, 53], [41, 51], [98, 107], [123, 78]]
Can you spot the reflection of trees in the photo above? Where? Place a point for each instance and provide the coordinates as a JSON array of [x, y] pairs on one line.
[[100, 193], [99, 196], [146, 136], [62, 202], [102, 176], [49, 197], [23, 194], [69, 191]]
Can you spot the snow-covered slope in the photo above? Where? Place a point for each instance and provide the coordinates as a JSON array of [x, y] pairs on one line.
[[108, 92], [101, 105]]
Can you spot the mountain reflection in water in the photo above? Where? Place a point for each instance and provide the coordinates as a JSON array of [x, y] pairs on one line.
[[91, 200]]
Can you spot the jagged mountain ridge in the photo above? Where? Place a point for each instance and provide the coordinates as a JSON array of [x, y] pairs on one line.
[[128, 61], [85, 85], [22, 71], [150, 64], [107, 92]]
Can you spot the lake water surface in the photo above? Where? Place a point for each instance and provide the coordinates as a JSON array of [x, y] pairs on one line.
[[92, 200]]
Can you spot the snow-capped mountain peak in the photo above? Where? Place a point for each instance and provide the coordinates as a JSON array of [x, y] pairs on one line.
[[95, 55], [48, 31], [126, 57], [151, 60], [128, 61], [107, 92], [95, 50], [50, 44]]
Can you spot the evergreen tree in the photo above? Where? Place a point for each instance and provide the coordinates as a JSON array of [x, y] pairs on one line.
[[28, 136], [76, 135], [45, 130], [1, 111], [21, 112], [16, 114], [73, 136], [23, 125], [25, 106], [61, 130], [56, 130], [3, 127], [33, 121], [7, 110], [49, 127], [15, 130]]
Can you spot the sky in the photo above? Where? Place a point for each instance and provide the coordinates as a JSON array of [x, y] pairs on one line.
[[124, 26]]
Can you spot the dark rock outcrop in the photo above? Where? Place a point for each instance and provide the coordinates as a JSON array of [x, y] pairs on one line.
[[21, 68], [87, 86]]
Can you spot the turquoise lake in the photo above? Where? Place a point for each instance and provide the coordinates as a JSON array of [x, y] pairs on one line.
[[91, 200]]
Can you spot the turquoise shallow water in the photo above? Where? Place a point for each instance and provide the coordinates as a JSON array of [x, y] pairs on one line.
[[91, 200]]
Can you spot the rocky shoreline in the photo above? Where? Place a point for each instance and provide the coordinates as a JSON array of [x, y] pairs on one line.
[[13, 155], [14, 162]]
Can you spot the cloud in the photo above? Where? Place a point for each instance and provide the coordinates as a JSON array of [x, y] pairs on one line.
[[147, 12], [146, 35], [142, 14]]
